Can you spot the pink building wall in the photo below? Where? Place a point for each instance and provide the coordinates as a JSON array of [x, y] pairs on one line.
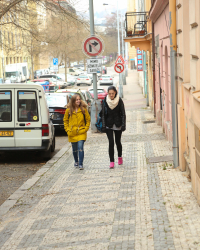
[[162, 73]]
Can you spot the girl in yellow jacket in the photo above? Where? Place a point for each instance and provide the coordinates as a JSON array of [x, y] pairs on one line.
[[76, 124]]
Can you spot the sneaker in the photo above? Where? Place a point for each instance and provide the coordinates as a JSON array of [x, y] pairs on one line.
[[81, 167], [112, 165], [76, 164], [120, 160]]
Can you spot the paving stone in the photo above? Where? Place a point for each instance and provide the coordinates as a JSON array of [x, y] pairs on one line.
[[134, 206]]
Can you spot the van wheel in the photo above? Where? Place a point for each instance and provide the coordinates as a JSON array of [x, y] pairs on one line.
[[47, 154], [53, 144]]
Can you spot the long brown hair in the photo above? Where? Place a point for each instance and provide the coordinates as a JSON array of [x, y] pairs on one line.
[[72, 104]]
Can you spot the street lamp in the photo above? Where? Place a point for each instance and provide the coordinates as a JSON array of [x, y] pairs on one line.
[[120, 82]]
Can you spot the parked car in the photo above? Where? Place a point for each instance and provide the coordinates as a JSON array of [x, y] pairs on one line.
[[70, 79], [39, 72], [89, 99], [106, 80], [102, 93], [79, 71], [52, 86], [84, 79], [72, 92], [24, 119], [57, 103], [79, 66], [56, 80]]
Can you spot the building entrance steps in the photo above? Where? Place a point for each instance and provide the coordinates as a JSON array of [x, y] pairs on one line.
[[138, 205]]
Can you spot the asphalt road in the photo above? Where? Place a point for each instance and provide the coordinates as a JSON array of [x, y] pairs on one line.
[[16, 168]]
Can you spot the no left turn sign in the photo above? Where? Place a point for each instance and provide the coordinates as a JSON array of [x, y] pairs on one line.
[[93, 46], [119, 67]]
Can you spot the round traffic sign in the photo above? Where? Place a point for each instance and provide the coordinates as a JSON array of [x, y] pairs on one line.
[[119, 67], [93, 46]]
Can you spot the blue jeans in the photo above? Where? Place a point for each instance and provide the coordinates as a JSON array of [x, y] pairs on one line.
[[78, 151]]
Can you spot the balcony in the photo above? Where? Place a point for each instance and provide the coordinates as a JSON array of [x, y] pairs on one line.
[[138, 30]]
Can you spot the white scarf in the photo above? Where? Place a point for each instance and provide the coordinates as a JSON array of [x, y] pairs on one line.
[[112, 103]]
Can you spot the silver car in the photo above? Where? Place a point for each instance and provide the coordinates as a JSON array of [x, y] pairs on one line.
[[106, 80]]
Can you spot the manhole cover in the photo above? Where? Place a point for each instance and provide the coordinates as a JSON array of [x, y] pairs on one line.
[[160, 159]]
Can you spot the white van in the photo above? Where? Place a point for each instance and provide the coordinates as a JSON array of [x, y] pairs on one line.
[[16, 72], [24, 119]]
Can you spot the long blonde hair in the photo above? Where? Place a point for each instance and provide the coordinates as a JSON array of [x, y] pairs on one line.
[[72, 104]]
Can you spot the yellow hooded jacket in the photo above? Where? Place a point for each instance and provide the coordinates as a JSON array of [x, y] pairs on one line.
[[75, 125]]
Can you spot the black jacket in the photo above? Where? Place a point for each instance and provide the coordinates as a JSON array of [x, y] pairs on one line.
[[116, 116]]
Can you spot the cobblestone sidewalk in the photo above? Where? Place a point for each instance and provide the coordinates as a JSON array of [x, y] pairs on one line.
[[139, 205]]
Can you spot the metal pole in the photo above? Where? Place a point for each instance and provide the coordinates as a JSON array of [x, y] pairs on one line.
[[118, 27], [174, 96], [92, 33], [2, 52], [123, 54], [127, 59], [120, 82], [96, 105]]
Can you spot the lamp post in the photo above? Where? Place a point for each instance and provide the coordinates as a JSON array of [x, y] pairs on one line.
[[119, 52]]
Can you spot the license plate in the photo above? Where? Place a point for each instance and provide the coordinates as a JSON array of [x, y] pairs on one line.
[[6, 133]]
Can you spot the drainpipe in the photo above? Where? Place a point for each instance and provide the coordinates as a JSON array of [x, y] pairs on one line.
[[174, 91], [154, 80]]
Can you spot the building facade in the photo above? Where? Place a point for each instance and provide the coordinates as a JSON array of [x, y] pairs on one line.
[[159, 16], [188, 76], [139, 36]]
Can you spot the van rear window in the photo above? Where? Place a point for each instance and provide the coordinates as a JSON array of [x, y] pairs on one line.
[[5, 106], [27, 106]]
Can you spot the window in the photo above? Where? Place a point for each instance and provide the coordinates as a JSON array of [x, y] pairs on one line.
[[27, 106], [10, 60], [5, 106]]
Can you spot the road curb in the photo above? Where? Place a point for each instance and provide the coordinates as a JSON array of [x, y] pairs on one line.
[[12, 200]]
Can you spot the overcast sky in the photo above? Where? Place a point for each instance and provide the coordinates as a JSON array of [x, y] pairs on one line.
[[83, 5]]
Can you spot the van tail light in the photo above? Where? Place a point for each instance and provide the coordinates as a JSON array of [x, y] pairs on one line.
[[110, 78], [87, 79], [100, 78], [61, 111], [78, 79], [45, 129]]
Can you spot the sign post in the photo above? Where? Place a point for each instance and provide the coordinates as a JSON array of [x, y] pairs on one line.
[[92, 47], [55, 66]]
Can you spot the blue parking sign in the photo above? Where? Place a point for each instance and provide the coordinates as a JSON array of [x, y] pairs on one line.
[[55, 61]]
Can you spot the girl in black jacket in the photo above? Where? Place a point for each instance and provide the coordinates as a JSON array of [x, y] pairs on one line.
[[113, 122]]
